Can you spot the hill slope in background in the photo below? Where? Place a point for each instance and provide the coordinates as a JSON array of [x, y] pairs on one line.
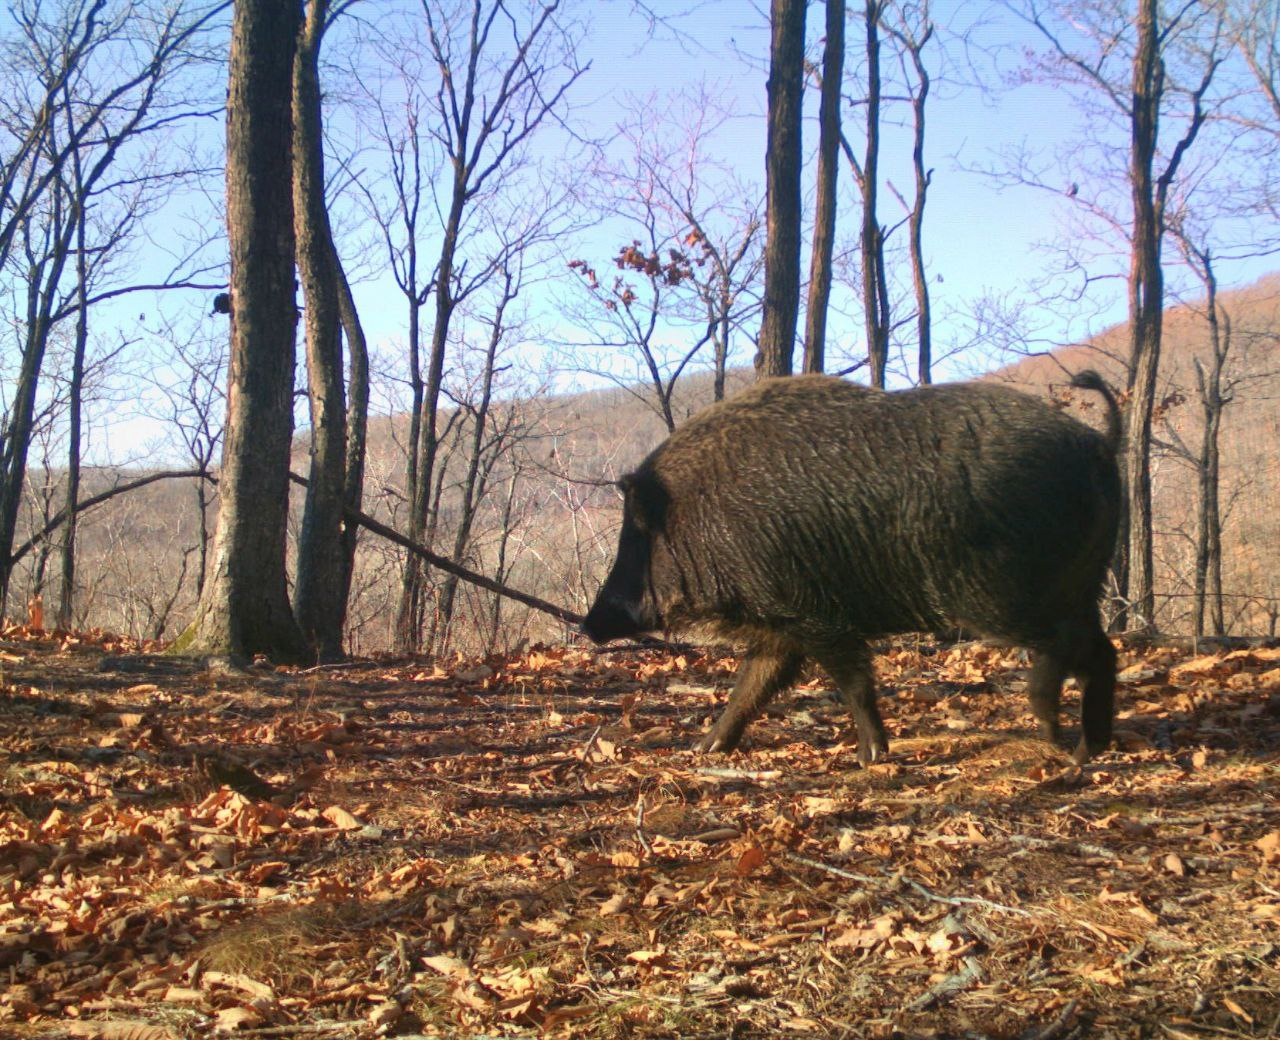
[[549, 521], [1250, 446]]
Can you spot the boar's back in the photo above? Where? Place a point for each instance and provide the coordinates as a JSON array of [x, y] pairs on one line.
[[812, 503]]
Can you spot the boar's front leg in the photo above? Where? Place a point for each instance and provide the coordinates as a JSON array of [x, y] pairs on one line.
[[850, 670], [762, 674]]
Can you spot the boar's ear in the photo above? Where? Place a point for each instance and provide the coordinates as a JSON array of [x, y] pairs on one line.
[[646, 501]]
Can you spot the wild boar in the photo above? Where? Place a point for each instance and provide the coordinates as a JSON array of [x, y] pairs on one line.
[[808, 515]]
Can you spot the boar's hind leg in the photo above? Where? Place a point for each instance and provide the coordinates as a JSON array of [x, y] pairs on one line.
[[761, 675], [852, 674], [1096, 667], [1048, 670]]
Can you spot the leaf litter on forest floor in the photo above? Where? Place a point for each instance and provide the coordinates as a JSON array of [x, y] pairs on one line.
[[526, 846]]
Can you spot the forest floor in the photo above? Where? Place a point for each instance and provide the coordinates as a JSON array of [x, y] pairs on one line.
[[525, 847]]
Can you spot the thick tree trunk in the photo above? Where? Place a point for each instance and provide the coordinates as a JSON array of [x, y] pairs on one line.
[[1146, 304], [824, 229], [245, 607], [319, 596], [783, 160]]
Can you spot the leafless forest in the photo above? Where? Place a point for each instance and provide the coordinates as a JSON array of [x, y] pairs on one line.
[[471, 247]]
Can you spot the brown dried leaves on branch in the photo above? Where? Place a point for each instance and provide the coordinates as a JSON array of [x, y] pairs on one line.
[[507, 846]]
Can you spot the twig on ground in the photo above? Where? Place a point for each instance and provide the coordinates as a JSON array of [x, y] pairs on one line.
[[336, 666], [756, 775], [305, 1027], [644, 841], [1055, 1028], [963, 900], [1078, 847], [237, 903], [589, 746], [718, 834], [819, 865], [952, 984]]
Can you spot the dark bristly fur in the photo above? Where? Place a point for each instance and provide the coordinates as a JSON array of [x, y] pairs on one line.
[[808, 515]]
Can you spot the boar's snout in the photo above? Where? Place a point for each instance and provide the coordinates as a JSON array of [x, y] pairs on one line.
[[612, 618]]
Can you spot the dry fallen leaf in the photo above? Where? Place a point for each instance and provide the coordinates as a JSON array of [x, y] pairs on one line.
[[233, 1018], [118, 1031], [750, 861], [341, 819], [1237, 1010]]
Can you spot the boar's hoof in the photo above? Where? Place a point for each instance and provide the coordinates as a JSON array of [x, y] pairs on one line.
[[872, 750], [1086, 749], [721, 738]]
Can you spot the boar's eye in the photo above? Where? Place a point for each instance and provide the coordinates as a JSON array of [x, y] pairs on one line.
[[646, 501]]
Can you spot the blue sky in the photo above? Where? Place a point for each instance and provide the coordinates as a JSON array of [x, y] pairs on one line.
[[980, 238]]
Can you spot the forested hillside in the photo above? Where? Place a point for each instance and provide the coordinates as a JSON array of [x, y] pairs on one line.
[[547, 526]]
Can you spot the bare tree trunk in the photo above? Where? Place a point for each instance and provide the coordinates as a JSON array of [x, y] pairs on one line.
[[67, 585], [824, 230], [408, 627], [357, 421], [500, 571], [914, 47], [44, 274], [783, 159], [319, 600], [1146, 303], [721, 346], [1146, 288], [409, 618], [476, 478], [202, 553], [874, 297], [245, 607], [1213, 399]]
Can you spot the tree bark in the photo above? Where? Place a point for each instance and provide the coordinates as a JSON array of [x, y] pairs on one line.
[[319, 598], [43, 275], [824, 230], [409, 618], [1208, 575], [357, 421], [67, 584], [783, 160], [245, 606], [474, 484], [874, 296], [915, 221], [1146, 300]]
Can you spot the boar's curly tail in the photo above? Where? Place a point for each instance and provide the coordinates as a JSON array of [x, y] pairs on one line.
[[1090, 380]]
